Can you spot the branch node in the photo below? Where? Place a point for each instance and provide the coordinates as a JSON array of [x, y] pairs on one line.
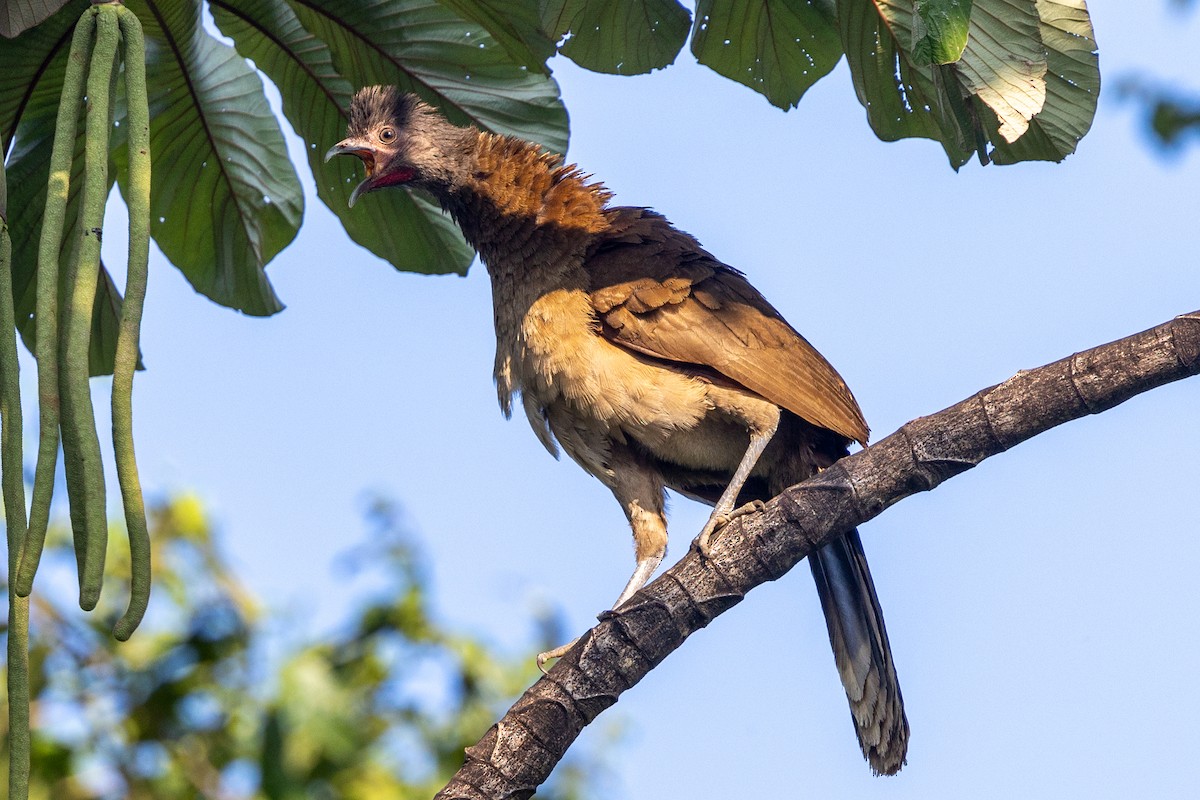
[[696, 608], [985, 411], [923, 457], [723, 579], [1073, 371], [1185, 339], [621, 630], [576, 705], [761, 551]]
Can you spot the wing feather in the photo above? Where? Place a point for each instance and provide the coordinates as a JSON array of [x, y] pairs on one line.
[[656, 291]]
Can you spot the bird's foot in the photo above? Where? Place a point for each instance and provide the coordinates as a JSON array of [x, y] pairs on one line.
[[561, 651], [718, 521], [557, 652]]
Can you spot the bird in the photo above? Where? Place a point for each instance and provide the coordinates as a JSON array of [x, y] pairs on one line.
[[651, 363]]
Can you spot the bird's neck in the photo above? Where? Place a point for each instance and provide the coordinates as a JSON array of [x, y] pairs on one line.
[[529, 216]]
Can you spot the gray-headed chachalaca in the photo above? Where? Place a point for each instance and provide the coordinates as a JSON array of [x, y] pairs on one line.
[[649, 361]]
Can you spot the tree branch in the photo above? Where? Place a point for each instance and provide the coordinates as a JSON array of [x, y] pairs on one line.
[[518, 752]]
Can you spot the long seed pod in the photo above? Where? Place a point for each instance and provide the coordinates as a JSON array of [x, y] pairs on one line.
[[13, 478], [75, 491], [125, 363], [81, 445], [72, 467], [46, 344]]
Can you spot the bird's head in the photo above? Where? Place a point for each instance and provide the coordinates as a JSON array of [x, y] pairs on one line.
[[400, 140]]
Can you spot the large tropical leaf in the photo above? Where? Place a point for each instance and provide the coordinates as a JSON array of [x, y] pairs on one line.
[[778, 49], [421, 46], [224, 196], [1003, 90], [901, 100], [18, 16], [37, 54], [516, 26], [1072, 86], [409, 231], [1004, 63], [31, 76], [626, 38]]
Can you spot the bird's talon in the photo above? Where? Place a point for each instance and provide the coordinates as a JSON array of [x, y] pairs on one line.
[[550, 655], [753, 507], [718, 521], [714, 524]]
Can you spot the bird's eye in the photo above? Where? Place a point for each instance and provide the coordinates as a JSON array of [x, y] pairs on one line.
[[387, 135]]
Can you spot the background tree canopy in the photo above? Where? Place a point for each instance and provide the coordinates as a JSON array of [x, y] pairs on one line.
[[219, 699]]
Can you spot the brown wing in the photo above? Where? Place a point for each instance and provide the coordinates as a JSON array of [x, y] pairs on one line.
[[656, 291]]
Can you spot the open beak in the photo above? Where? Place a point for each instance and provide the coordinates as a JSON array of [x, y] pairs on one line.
[[349, 147]]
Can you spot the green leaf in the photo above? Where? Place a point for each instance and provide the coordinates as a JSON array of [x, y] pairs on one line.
[[940, 31], [225, 198], [514, 24], [1026, 82], [420, 46], [901, 99], [1004, 64], [777, 49], [626, 38], [18, 16], [31, 76], [212, 132], [38, 53], [409, 231], [1072, 86]]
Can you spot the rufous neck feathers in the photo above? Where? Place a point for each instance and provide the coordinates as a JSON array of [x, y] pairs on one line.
[[515, 197]]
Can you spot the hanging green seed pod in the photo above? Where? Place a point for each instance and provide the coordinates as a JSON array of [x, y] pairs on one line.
[[81, 445], [46, 344], [13, 478], [125, 363]]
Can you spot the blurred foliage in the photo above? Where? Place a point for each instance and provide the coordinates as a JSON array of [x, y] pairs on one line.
[[1171, 117], [1170, 114], [213, 698]]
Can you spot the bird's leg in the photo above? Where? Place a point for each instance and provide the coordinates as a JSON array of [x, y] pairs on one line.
[[641, 573], [640, 492], [724, 512]]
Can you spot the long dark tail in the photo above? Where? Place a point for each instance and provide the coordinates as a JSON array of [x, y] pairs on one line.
[[861, 650]]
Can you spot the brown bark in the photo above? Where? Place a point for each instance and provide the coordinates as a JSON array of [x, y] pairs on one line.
[[518, 752]]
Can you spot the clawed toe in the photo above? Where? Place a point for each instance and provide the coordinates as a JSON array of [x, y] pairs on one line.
[[753, 507], [714, 524], [550, 655], [717, 521]]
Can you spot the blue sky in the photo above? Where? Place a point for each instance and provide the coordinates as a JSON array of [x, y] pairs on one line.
[[1041, 607]]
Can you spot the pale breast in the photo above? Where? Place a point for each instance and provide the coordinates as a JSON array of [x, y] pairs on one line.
[[572, 377]]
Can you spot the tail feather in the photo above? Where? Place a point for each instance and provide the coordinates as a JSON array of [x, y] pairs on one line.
[[861, 650]]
